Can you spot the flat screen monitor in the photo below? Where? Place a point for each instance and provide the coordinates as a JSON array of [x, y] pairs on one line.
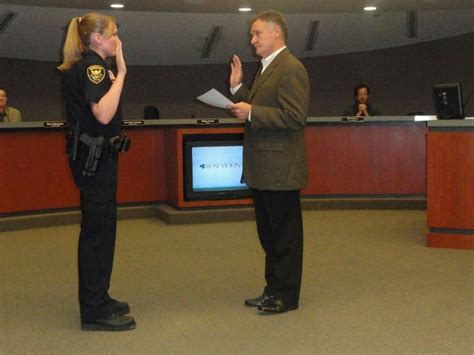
[[213, 170], [448, 101]]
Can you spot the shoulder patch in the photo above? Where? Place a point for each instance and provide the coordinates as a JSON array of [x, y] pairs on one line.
[[96, 73]]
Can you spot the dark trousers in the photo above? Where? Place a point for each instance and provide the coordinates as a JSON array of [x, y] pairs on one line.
[[280, 229], [97, 237]]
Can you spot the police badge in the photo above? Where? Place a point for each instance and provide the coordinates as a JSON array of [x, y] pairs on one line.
[[96, 73]]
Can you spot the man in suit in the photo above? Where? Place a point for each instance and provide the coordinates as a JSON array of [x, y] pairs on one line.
[[7, 113], [275, 111]]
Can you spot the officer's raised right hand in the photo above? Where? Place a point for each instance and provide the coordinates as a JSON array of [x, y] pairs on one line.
[[119, 60]]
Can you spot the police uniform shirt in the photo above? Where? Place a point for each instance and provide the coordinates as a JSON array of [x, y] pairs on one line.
[[87, 81]]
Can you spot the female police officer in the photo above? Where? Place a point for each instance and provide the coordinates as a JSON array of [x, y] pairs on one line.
[[92, 96]]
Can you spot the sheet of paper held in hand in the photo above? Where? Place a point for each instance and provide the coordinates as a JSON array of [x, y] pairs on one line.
[[215, 98]]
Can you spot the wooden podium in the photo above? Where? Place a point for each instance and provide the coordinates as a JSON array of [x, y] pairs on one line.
[[175, 162]]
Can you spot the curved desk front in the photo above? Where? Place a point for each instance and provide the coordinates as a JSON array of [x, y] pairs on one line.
[[383, 156]]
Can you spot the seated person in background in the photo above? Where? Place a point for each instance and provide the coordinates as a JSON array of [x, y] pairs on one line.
[[8, 114], [361, 106]]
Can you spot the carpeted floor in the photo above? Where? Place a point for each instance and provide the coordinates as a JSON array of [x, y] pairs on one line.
[[370, 286]]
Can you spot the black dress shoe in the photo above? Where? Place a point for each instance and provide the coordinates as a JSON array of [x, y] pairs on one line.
[[257, 302], [119, 308], [276, 305], [113, 323]]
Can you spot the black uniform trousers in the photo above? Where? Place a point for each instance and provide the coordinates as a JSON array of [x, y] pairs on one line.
[[97, 237], [280, 230]]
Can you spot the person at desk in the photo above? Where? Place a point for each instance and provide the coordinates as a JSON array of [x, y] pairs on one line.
[[92, 95], [275, 112], [361, 107], [7, 113]]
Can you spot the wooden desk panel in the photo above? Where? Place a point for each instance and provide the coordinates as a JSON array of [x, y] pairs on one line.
[[450, 240], [362, 159], [359, 159], [142, 171], [34, 172], [450, 196]]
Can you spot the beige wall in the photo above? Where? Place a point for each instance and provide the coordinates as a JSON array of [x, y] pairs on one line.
[[400, 79]]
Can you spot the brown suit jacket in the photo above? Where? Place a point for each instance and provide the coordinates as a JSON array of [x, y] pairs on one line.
[[274, 144]]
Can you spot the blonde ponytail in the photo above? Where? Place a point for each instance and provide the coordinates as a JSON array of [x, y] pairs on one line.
[[78, 36], [73, 46]]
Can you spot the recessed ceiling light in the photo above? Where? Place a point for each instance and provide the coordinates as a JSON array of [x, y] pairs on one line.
[[245, 9], [370, 8], [117, 6]]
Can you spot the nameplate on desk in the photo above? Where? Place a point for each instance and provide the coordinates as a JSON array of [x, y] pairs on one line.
[[133, 123], [352, 119], [54, 124], [207, 121]]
